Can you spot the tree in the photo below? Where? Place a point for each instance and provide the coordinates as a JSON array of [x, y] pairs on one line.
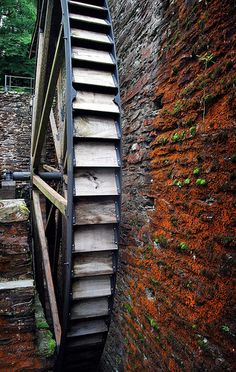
[[17, 18]]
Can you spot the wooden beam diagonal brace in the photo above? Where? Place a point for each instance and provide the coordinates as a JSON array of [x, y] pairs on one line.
[[48, 100], [54, 197], [55, 136], [42, 57], [38, 218]]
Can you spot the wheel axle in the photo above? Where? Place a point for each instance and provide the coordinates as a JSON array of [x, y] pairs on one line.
[[25, 176]]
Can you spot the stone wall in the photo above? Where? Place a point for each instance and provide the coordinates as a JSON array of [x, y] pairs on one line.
[[175, 301], [18, 343], [15, 131]]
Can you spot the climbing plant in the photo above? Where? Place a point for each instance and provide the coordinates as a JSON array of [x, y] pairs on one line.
[[17, 18]]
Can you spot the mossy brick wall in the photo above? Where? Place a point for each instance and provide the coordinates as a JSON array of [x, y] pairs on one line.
[[175, 294]]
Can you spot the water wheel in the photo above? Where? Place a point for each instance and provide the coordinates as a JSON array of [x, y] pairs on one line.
[[75, 173]]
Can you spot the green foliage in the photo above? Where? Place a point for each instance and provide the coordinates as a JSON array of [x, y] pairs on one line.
[[141, 337], [153, 323], [17, 18], [225, 329], [174, 221], [51, 346], [41, 324], [201, 182], [202, 342], [207, 59], [162, 140], [177, 183], [177, 108], [187, 181], [183, 246], [178, 137], [154, 281], [193, 131], [196, 171], [128, 307], [160, 241]]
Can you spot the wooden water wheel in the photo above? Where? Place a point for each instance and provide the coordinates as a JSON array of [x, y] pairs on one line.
[[75, 172]]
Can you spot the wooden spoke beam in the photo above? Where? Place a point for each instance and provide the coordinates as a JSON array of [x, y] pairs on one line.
[[55, 136], [51, 213], [42, 61], [48, 101], [61, 112], [54, 197], [38, 218], [48, 168]]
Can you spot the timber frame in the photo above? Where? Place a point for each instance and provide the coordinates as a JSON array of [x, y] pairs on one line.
[[76, 140], [50, 41]]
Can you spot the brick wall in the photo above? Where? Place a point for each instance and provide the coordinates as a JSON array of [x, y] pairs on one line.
[[18, 351], [15, 131], [175, 300]]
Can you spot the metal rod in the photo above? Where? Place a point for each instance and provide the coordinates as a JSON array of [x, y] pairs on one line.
[[25, 176], [6, 84]]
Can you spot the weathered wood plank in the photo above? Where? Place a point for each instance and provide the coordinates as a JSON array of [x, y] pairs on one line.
[[49, 168], [87, 328], [90, 101], [48, 100], [95, 127], [92, 55], [84, 5], [55, 136], [97, 182], [51, 194], [87, 19], [91, 36], [95, 154], [91, 212], [89, 308], [91, 287], [85, 341], [93, 77], [94, 238], [61, 109], [42, 60], [91, 264], [82, 359], [38, 220]]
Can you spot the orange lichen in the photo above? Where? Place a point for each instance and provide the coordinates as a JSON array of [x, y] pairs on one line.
[[181, 280]]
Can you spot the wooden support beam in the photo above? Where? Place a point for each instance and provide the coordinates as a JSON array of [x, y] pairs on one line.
[[50, 194], [48, 168], [51, 213], [65, 160], [56, 250], [61, 88], [42, 61], [55, 136], [48, 101], [50, 216], [38, 218]]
